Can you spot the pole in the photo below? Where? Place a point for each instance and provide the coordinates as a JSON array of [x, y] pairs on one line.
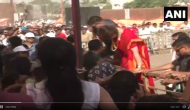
[[62, 11], [11, 21], [77, 31]]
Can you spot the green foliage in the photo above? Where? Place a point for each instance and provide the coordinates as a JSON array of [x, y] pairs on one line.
[[107, 6], [149, 3]]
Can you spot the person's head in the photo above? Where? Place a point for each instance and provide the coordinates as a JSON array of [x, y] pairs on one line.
[[35, 31], [182, 46], [122, 86], [155, 25], [164, 22], [95, 46], [161, 25], [63, 27], [90, 60], [41, 39], [156, 102], [107, 33], [30, 28], [50, 27], [143, 26], [134, 25], [168, 23], [71, 39], [5, 32], [58, 30], [123, 27], [40, 31], [30, 37], [93, 22], [8, 79], [67, 31], [15, 41], [21, 65], [84, 29], [185, 22], [21, 51], [58, 59], [125, 82], [148, 24], [180, 35], [38, 74]]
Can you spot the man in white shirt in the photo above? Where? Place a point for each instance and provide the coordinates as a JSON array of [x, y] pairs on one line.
[[169, 27], [161, 28], [154, 29], [4, 37], [144, 32], [186, 25]]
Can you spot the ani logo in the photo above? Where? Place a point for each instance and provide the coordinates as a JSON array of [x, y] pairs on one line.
[[175, 13]]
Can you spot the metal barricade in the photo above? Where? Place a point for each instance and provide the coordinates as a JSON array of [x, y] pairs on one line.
[[158, 42]]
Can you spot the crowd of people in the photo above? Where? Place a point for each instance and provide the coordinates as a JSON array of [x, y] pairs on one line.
[[38, 68]]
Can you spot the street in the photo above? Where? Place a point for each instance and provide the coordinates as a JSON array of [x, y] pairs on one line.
[[158, 60]]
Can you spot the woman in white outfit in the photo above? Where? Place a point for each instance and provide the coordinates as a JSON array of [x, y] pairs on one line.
[[63, 89]]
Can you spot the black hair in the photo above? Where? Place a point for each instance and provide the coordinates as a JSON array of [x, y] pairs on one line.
[[21, 65], [8, 57], [94, 45], [157, 102], [180, 35], [39, 74], [58, 59], [154, 23], [7, 80], [122, 86], [181, 42], [15, 41], [58, 29], [105, 32], [43, 38], [25, 46], [71, 38], [94, 19], [89, 61]]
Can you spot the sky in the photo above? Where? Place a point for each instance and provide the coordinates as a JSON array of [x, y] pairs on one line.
[[26, 1]]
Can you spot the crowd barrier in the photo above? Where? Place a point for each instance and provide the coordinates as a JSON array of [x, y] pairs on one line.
[[160, 41], [157, 42]]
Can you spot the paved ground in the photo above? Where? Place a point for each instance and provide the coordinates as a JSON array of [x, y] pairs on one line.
[[158, 60]]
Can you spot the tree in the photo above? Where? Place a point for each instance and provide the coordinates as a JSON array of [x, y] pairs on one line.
[[149, 3], [107, 6]]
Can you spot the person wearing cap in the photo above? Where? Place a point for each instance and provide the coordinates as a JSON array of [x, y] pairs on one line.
[[85, 37], [30, 42], [21, 51], [60, 34]]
